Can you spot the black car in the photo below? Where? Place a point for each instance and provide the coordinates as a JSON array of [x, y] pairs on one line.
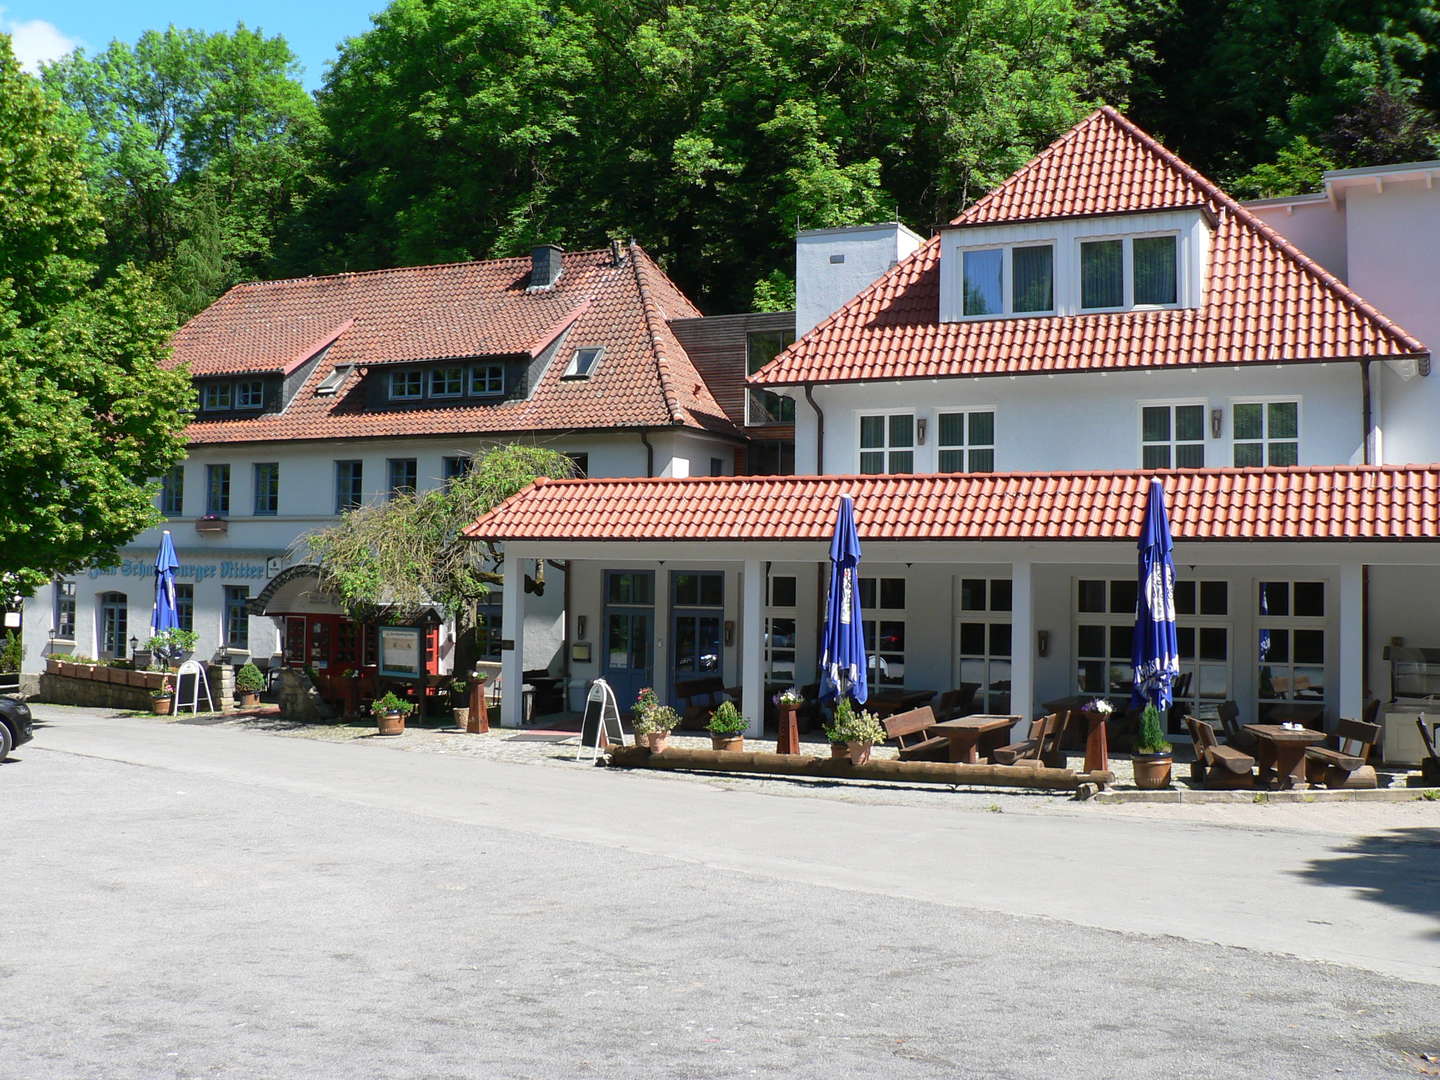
[[14, 725]]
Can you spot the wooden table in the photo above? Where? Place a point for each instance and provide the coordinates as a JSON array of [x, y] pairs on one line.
[[1280, 752], [885, 703], [967, 733]]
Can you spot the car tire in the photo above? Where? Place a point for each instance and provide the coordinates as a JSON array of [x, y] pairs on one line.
[[7, 742]]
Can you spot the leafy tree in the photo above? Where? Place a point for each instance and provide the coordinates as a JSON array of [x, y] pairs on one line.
[[1299, 167], [197, 151], [87, 415]]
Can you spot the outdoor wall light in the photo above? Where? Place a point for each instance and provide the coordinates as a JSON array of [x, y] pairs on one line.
[[729, 631], [580, 627], [920, 426], [1217, 419], [1042, 642], [134, 644]]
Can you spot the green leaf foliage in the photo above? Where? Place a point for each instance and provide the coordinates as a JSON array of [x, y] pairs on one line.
[[726, 720], [1151, 739]]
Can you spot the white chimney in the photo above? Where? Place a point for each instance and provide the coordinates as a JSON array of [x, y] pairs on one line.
[[832, 265]]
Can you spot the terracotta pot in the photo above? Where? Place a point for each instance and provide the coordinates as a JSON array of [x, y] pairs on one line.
[[727, 742], [859, 752], [658, 741], [462, 718], [1152, 771], [249, 699], [839, 750], [161, 706], [392, 723]]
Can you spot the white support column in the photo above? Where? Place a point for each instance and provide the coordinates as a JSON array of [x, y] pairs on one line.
[[1022, 644], [660, 680], [512, 626], [1350, 622], [752, 642]]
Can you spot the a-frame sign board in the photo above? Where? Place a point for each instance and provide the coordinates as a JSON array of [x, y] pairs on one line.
[[600, 725]]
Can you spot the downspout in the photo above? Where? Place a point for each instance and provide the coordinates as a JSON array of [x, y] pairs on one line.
[[819, 432], [1367, 420], [1367, 411], [649, 453]]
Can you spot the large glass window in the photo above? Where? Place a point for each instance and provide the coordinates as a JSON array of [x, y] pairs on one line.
[[1032, 279], [761, 347], [882, 610], [984, 282], [966, 441], [1102, 274], [1172, 437], [1155, 272], [64, 609], [114, 624], [1143, 271], [172, 491], [267, 488], [217, 489], [1291, 651], [781, 620], [887, 443], [236, 631], [983, 641], [1266, 433], [349, 485]]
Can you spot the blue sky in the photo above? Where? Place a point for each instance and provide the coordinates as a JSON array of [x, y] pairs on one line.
[[46, 29]]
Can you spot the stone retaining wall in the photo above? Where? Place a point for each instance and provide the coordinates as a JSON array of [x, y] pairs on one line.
[[66, 683]]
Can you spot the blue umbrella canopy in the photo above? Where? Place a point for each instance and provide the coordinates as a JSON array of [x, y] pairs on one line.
[[165, 616], [1154, 653], [842, 648]]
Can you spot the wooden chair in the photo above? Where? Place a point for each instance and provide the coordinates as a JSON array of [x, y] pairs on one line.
[[1175, 715], [697, 699], [1029, 748], [958, 702], [908, 729], [1235, 736], [1430, 765], [1217, 766], [1344, 765]]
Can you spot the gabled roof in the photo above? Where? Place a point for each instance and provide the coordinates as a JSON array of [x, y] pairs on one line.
[[1338, 503], [1264, 300], [455, 311]]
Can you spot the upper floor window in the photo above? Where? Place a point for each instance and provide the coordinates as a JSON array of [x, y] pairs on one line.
[[581, 461], [1172, 437], [349, 485], [1125, 272], [217, 489], [216, 395], [220, 395], [404, 473], [447, 382], [407, 385], [887, 443], [267, 488], [583, 362], [764, 406], [172, 491], [454, 468], [966, 441], [64, 609], [487, 380], [1266, 433], [249, 394], [1018, 280]]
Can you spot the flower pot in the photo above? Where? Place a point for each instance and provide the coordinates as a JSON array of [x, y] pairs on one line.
[[658, 741], [859, 752], [839, 750], [391, 723], [1152, 771], [462, 718], [161, 706], [727, 742], [249, 699]]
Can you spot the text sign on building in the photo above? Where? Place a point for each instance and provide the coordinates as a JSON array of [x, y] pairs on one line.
[[400, 652], [227, 570]]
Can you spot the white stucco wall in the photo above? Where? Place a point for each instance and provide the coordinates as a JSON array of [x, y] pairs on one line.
[[1312, 223], [832, 265]]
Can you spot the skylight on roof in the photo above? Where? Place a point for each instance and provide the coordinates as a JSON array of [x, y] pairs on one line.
[[331, 383], [583, 362]]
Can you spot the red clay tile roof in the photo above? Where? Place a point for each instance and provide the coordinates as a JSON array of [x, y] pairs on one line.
[[1303, 503], [644, 380], [1264, 300]]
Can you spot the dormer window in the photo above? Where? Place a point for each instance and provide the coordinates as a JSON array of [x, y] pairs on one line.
[[250, 394], [1129, 272], [1013, 280], [487, 380], [407, 385], [447, 382], [216, 396], [583, 363]]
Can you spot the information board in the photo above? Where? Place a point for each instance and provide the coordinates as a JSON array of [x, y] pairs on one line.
[[400, 652], [601, 722]]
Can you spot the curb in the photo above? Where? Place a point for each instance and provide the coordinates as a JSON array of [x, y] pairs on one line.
[[1180, 795]]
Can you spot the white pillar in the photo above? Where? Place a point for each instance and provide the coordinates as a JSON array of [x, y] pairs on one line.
[[512, 626], [752, 641], [660, 680], [1022, 644], [1350, 702]]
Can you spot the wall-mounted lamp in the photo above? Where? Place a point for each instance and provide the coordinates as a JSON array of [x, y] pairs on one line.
[[580, 627], [1217, 420], [729, 631], [920, 426], [1042, 642]]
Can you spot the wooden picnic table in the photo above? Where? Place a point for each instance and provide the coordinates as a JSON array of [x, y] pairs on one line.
[[886, 702], [1280, 752], [968, 734]]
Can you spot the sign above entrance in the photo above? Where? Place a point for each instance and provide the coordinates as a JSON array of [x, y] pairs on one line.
[[227, 570]]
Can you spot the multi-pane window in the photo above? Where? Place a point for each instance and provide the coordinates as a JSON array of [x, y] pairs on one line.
[[1172, 437], [267, 488], [983, 641], [966, 441], [882, 611], [250, 394], [488, 631], [887, 443], [217, 489], [185, 605], [403, 474], [1104, 628], [487, 380], [349, 485], [781, 620], [1291, 649], [407, 385], [1129, 272], [64, 609], [447, 382], [236, 617], [114, 624], [1010, 280], [1266, 433], [172, 491], [216, 395], [454, 468], [1156, 282], [765, 407]]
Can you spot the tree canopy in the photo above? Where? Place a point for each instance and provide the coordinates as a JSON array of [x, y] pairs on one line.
[[87, 415]]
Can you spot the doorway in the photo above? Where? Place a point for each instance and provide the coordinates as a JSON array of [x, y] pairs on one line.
[[628, 664]]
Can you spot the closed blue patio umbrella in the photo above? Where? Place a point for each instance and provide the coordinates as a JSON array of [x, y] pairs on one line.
[[842, 648], [165, 615], [1155, 654]]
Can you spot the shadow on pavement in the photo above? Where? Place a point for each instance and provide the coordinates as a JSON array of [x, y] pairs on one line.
[[1400, 868]]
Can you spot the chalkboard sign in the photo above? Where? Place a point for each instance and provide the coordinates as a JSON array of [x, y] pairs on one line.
[[601, 723]]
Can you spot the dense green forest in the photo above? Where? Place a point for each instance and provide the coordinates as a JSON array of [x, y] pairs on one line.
[[709, 130]]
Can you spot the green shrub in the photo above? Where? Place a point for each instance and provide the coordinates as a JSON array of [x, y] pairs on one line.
[[249, 680], [1151, 739], [654, 720], [726, 720], [391, 704], [12, 652], [850, 726]]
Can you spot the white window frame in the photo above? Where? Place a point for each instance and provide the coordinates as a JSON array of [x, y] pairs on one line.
[[487, 380], [791, 612], [407, 385], [1291, 623], [1007, 279], [245, 389], [967, 447], [987, 699], [875, 614], [1127, 270], [572, 369], [436, 374], [211, 396], [1265, 440], [913, 449], [1208, 709], [1172, 404], [63, 614]]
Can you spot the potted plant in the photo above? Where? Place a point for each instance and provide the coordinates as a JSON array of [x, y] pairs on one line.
[[726, 727], [460, 703], [655, 725], [173, 646], [162, 700], [248, 683], [1152, 755], [858, 731], [787, 709], [390, 712], [644, 702]]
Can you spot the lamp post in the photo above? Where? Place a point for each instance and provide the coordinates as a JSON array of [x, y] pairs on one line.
[[134, 644]]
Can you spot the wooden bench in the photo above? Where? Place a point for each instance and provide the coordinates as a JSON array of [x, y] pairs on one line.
[[1041, 745], [957, 702], [1235, 735], [1217, 766], [1430, 764], [698, 698], [1344, 765], [908, 729]]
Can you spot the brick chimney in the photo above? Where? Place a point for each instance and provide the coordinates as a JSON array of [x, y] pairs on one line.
[[545, 266]]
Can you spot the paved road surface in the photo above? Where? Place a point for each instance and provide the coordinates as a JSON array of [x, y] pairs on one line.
[[199, 902]]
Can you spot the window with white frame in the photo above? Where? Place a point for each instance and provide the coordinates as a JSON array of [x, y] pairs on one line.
[[1008, 280], [583, 362], [1266, 433], [64, 609], [407, 385], [215, 396], [781, 622], [1172, 436], [487, 380], [1129, 272], [1290, 650], [236, 631], [447, 382], [887, 443], [965, 441], [1104, 628], [882, 610], [250, 394], [983, 641]]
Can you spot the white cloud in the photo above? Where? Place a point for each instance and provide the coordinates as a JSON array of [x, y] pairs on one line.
[[36, 41]]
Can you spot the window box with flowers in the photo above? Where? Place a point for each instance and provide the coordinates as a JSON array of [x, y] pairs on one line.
[[212, 524]]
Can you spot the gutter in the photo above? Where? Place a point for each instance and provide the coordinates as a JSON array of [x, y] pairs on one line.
[[819, 431]]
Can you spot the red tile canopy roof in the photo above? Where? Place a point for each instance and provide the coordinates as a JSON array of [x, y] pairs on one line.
[[1338, 503], [477, 309], [1264, 300]]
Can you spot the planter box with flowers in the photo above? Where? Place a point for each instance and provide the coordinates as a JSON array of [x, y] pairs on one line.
[[856, 731], [211, 523]]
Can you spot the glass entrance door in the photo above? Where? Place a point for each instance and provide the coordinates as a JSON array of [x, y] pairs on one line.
[[697, 622], [628, 664]]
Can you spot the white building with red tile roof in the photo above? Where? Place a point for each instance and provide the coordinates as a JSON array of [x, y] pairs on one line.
[[996, 402]]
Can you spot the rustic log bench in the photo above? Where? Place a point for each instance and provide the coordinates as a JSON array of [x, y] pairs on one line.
[[909, 728], [1344, 765], [1218, 766]]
